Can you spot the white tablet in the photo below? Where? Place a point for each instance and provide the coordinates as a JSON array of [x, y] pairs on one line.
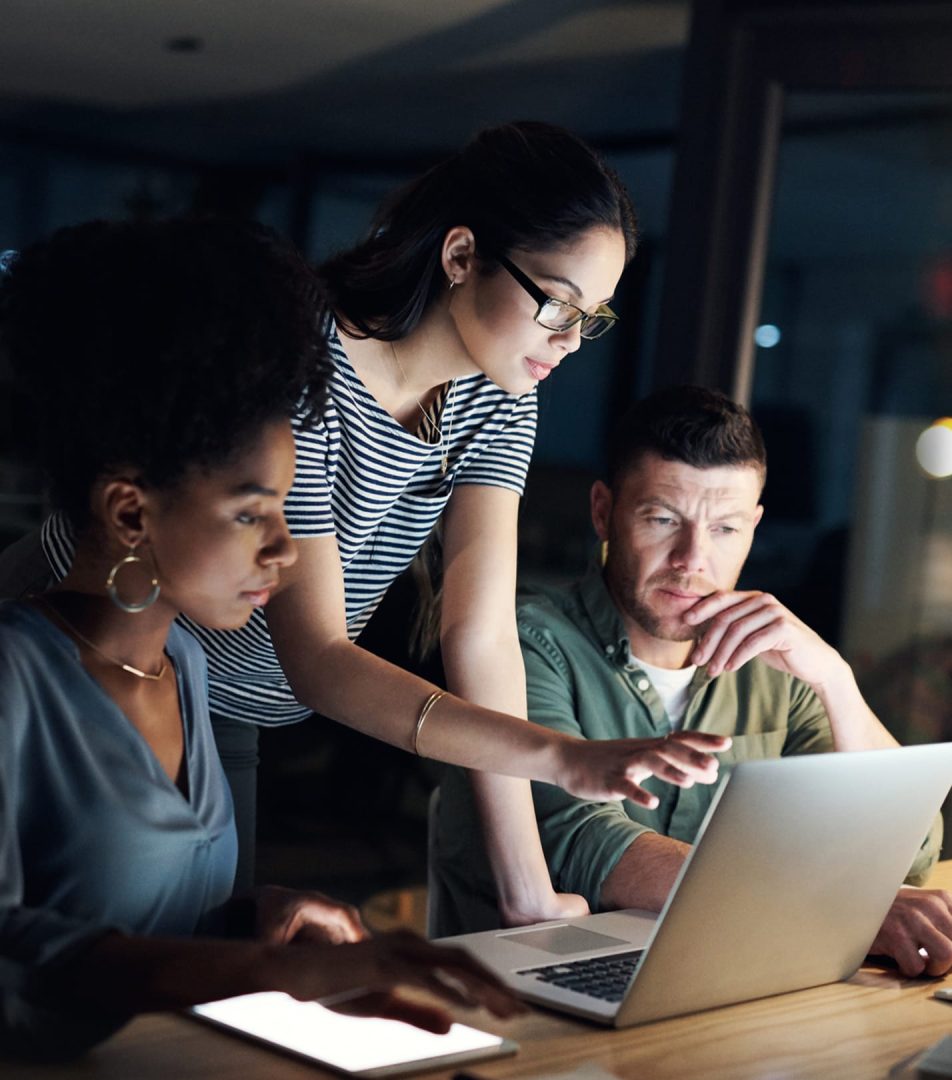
[[355, 1045]]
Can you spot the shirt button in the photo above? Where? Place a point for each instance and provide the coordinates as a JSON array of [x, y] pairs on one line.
[[610, 650], [643, 684]]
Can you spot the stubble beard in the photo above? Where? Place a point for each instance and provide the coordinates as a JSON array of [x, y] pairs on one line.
[[662, 627], [636, 607]]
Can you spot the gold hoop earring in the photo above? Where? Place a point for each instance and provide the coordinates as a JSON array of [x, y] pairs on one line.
[[603, 554], [113, 592]]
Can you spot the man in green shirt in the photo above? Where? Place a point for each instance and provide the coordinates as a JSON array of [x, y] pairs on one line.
[[656, 641]]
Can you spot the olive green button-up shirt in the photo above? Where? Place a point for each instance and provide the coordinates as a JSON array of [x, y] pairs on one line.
[[581, 680]]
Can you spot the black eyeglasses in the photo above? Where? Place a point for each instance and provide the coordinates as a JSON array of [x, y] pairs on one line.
[[560, 315]]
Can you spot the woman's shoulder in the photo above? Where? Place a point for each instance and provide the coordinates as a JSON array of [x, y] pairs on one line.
[[485, 416], [321, 434], [32, 650], [20, 621]]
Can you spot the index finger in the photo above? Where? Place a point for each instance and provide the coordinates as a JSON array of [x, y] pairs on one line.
[[714, 603], [474, 988], [705, 741], [393, 1006], [451, 964], [935, 940], [329, 920]]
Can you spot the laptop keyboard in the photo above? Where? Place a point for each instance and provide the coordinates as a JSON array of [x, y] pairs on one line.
[[604, 977]]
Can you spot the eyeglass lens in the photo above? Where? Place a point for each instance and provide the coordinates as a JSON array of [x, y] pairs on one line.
[[557, 315]]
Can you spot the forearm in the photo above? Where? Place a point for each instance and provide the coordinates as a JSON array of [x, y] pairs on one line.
[[354, 687], [491, 673], [118, 976], [338, 679], [127, 975], [332, 676], [853, 723], [645, 874]]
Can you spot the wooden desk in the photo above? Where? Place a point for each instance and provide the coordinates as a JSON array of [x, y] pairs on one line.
[[869, 1027]]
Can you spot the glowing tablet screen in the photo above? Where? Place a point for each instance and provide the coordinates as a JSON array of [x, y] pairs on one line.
[[352, 1044]]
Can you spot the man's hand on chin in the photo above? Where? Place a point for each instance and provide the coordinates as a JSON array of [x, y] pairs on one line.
[[737, 626], [918, 919]]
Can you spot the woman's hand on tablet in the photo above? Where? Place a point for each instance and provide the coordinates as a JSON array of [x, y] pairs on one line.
[[362, 979]]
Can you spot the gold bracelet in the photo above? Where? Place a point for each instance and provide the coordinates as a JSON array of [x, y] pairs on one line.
[[424, 713]]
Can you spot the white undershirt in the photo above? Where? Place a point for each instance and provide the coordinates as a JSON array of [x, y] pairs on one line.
[[671, 686]]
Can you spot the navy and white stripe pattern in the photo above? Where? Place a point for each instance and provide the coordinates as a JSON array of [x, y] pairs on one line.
[[429, 429], [379, 489]]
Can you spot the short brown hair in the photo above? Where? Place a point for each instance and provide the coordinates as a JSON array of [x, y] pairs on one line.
[[693, 424]]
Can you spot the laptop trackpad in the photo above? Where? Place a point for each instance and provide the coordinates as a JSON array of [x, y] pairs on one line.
[[563, 939]]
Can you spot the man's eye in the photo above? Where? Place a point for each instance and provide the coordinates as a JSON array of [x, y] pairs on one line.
[[245, 518], [658, 520], [726, 530]]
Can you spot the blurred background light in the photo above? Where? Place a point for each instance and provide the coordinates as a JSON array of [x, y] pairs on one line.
[[934, 448], [767, 335]]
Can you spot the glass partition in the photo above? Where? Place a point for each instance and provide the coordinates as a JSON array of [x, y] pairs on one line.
[[853, 363]]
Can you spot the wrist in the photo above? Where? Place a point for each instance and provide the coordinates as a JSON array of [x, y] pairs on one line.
[[560, 759], [276, 967], [838, 687], [534, 902]]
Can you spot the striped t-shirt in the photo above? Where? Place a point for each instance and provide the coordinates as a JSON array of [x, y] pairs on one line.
[[379, 489]]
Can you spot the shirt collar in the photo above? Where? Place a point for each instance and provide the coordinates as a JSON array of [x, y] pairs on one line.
[[600, 608]]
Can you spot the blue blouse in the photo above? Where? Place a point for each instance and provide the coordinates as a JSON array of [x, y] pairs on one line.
[[94, 835]]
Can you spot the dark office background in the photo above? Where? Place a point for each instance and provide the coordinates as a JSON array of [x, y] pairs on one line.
[[303, 115]]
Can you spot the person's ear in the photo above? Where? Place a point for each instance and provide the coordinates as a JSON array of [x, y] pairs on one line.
[[122, 507], [758, 514], [458, 255], [600, 501]]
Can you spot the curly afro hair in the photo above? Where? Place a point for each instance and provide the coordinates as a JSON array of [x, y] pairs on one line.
[[159, 346]]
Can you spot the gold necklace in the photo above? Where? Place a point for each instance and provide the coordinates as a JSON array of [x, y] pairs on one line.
[[443, 444], [445, 455], [85, 640]]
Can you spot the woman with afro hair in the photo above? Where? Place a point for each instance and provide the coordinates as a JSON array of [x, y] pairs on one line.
[[161, 363]]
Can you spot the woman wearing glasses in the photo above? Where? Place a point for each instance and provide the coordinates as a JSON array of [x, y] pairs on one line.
[[476, 282]]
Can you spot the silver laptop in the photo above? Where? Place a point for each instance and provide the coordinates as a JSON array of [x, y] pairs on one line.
[[795, 867]]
